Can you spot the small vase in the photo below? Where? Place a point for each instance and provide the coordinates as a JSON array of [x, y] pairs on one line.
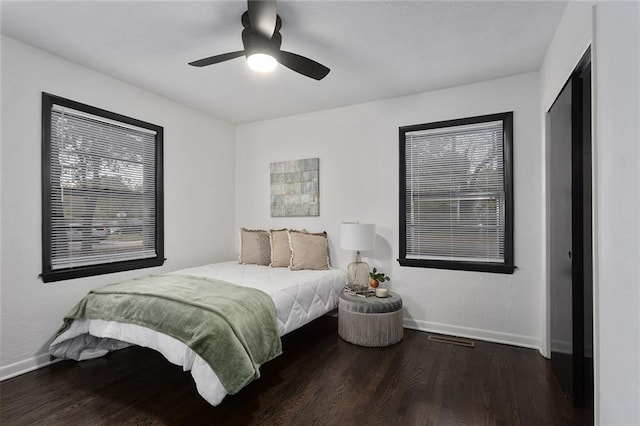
[[374, 283]]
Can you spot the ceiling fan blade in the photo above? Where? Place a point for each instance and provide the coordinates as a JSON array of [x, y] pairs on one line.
[[262, 15], [302, 65], [217, 58]]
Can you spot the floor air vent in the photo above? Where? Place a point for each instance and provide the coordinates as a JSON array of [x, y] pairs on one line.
[[453, 341]]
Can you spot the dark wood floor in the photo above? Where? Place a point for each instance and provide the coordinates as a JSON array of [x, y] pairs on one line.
[[319, 380]]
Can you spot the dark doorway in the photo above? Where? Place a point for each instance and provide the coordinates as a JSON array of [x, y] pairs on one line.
[[570, 237]]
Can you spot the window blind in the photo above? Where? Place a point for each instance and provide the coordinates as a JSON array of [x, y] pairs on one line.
[[103, 189], [455, 194]]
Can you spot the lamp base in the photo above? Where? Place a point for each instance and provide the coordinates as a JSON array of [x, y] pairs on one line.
[[358, 273]]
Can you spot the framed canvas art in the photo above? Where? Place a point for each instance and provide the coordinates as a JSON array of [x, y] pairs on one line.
[[295, 188]]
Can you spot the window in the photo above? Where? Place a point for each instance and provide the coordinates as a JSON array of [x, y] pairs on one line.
[[456, 202], [102, 204]]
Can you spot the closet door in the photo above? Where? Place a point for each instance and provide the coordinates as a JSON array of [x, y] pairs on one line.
[[570, 237], [560, 223]]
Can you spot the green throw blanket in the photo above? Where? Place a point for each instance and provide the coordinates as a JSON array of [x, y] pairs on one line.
[[232, 328]]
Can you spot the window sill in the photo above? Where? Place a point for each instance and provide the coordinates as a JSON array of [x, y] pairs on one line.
[[88, 271], [458, 266]]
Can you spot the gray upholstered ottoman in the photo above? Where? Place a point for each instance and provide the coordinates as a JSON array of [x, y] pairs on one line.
[[370, 321]]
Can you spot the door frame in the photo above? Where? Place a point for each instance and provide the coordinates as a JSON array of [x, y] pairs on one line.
[[577, 219], [578, 142]]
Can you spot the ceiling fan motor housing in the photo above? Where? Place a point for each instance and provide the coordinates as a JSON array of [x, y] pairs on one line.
[[255, 42]]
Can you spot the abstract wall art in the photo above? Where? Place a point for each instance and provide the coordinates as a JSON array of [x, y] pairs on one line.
[[295, 188]]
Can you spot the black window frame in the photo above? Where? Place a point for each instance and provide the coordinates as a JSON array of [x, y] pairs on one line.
[[50, 275], [508, 267]]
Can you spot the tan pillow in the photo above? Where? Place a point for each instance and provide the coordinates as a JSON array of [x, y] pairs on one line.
[[308, 251], [255, 247], [280, 248]]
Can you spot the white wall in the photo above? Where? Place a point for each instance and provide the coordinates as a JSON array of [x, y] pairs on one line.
[[358, 150], [616, 72], [198, 178], [571, 40]]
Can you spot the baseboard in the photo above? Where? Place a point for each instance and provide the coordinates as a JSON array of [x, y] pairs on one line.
[[25, 366], [43, 360], [474, 333], [561, 346]]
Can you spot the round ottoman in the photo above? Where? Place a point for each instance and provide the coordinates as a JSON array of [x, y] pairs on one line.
[[370, 321]]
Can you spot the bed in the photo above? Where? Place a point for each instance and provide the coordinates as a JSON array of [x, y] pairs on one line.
[[299, 297]]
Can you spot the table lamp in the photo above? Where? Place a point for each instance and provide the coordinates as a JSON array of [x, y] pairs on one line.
[[357, 236]]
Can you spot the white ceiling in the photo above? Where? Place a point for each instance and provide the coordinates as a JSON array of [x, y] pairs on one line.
[[375, 49]]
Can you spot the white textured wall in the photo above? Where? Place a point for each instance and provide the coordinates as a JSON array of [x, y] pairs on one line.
[[571, 40], [358, 150], [198, 182], [616, 47]]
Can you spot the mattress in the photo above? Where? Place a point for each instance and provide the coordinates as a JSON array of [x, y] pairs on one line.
[[299, 297]]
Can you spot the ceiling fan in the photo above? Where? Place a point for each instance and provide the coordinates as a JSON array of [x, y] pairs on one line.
[[261, 40]]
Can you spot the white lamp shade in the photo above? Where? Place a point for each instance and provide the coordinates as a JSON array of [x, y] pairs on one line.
[[357, 236]]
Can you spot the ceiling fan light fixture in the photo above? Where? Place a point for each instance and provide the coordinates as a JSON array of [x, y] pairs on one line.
[[261, 62], [261, 41]]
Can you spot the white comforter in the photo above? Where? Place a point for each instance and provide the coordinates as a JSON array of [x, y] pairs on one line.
[[299, 297]]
